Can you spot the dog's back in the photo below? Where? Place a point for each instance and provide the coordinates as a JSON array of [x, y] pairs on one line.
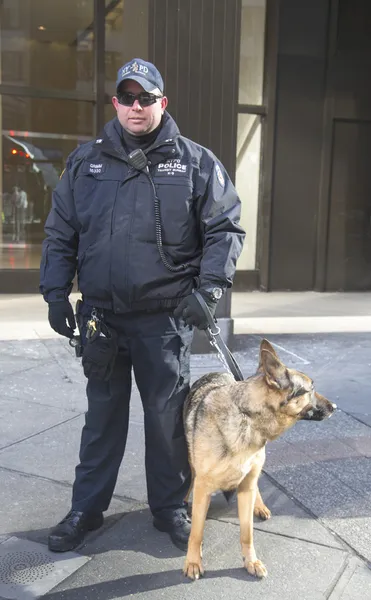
[[198, 392]]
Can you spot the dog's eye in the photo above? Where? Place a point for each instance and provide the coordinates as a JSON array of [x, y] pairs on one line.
[[295, 394]]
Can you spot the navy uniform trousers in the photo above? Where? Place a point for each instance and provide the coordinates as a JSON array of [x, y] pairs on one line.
[[156, 347]]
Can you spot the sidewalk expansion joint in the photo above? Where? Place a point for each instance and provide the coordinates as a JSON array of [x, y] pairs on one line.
[[40, 364], [129, 499], [284, 535], [55, 358], [329, 592], [352, 416], [39, 432], [35, 476]]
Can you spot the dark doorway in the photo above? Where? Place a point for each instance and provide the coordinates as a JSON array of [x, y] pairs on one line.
[[348, 264]]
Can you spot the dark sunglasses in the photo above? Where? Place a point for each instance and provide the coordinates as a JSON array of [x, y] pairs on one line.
[[144, 98]]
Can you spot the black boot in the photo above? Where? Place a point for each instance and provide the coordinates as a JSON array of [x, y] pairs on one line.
[[70, 532], [177, 525]]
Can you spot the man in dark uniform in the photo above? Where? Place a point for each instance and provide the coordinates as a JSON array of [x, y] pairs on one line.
[[141, 237]]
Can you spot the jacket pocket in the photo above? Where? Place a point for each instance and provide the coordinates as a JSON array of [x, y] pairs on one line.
[[94, 270]]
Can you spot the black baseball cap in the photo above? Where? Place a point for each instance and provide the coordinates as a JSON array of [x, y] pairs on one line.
[[145, 73]]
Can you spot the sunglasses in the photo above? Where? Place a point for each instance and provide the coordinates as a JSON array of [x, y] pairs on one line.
[[144, 98]]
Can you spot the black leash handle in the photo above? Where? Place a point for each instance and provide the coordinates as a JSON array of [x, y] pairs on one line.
[[213, 333]]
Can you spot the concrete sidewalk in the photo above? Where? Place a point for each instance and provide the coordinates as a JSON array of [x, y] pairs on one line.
[[317, 478]]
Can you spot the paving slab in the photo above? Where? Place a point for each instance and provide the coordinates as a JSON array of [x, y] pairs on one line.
[[20, 419], [23, 350], [54, 454], [340, 425], [355, 583], [342, 509], [354, 472], [30, 506], [136, 560], [49, 386], [288, 518]]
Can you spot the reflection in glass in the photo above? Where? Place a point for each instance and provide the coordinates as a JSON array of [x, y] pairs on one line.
[[252, 51], [47, 44], [126, 36], [247, 183], [37, 137]]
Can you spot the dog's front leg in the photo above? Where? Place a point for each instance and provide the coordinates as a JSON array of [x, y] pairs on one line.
[[201, 500], [260, 510], [246, 498]]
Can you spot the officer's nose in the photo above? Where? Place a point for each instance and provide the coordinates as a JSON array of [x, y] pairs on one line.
[[136, 105]]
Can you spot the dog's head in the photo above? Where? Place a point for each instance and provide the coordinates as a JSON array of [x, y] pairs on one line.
[[297, 397]]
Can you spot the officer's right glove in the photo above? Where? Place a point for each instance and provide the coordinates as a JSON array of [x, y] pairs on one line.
[[60, 312]]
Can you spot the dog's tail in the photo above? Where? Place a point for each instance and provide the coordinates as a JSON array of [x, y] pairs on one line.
[[230, 495]]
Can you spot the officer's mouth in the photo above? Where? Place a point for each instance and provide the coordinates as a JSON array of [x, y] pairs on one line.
[[137, 120]]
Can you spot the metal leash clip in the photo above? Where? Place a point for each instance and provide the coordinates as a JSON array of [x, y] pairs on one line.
[[213, 333], [75, 342]]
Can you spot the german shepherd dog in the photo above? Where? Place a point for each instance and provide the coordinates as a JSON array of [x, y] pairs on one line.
[[227, 425]]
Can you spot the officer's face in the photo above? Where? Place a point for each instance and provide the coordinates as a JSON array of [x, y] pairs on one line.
[[136, 119]]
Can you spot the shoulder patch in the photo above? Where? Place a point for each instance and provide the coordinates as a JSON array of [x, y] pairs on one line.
[[219, 175]]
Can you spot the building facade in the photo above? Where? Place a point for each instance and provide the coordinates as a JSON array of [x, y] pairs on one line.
[[278, 89]]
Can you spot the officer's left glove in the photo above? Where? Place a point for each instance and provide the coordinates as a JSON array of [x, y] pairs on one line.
[[191, 310]]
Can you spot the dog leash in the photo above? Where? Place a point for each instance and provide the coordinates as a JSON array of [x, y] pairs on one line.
[[215, 339]]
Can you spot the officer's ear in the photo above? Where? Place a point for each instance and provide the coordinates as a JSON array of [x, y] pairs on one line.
[[115, 102], [164, 103]]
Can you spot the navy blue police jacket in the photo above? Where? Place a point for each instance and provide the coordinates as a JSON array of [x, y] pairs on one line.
[[102, 224]]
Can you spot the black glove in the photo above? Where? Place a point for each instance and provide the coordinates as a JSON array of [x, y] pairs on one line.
[[60, 312], [191, 310]]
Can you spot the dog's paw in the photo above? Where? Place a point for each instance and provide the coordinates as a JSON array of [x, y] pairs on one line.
[[262, 512], [256, 569], [193, 569]]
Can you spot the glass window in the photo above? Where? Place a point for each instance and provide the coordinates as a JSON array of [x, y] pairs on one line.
[[126, 36], [252, 51], [37, 137], [47, 44], [247, 184]]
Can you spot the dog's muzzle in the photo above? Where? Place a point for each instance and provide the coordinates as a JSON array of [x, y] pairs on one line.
[[320, 408]]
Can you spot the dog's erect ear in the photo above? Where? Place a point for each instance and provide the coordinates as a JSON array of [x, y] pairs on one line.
[[265, 345], [275, 372]]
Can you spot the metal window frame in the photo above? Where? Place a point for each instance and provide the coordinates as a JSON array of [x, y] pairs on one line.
[[252, 109], [267, 155], [266, 111]]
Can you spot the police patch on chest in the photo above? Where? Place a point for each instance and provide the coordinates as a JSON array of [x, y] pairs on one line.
[[171, 167]]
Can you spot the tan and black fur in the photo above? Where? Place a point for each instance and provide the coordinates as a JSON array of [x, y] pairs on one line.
[[228, 424]]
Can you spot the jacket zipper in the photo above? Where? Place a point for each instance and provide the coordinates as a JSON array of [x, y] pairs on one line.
[[128, 248]]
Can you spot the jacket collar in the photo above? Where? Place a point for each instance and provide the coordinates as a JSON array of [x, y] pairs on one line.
[[163, 147]]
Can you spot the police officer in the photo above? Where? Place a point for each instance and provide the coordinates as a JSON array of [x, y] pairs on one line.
[[144, 216]]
